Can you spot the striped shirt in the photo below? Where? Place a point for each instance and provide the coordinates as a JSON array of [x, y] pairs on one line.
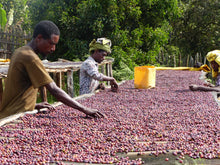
[[89, 76]]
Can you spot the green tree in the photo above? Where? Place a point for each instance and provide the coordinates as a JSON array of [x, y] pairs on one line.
[[197, 31], [3, 18], [138, 28], [17, 13]]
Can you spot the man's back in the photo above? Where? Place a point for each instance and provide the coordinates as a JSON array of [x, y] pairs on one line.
[[22, 82]]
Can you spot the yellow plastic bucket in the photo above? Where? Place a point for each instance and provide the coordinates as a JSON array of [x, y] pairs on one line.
[[144, 77]]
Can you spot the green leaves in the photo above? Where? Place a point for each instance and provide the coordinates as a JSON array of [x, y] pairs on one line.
[[197, 30], [16, 14], [138, 28], [3, 17]]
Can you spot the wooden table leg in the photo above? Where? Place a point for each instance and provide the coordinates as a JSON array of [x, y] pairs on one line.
[[1, 90], [70, 83], [43, 94], [107, 72]]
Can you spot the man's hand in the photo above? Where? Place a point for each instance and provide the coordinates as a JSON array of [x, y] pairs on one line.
[[209, 85], [101, 86], [41, 105], [114, 85], [93, 113], [193, 87]]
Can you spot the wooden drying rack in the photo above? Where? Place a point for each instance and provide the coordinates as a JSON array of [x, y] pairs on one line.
[[58, 69]]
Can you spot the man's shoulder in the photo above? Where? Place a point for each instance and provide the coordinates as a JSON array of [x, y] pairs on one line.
[[88, 65], [24, 50], [25, 53], [25, 56], [89, 60]]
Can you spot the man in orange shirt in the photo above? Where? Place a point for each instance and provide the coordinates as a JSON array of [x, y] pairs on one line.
[[26, 74]]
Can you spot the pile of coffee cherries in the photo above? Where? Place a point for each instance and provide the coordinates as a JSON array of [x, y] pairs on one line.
[[167, 117]]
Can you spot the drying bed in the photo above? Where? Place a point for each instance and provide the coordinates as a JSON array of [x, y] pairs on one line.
[[166, 119]]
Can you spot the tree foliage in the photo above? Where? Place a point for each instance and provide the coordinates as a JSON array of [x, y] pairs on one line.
[[3, 18], [17, 14], [138, 28], [197, 30], [143, 32]]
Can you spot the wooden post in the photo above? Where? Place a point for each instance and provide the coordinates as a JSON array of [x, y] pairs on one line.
[[59, 79], [179, 59], [174, 60], [43, 94], [107, 72], [204, 60], [200, 57], [197, 58], [191, 62], [110, 70], [63, 79], [70, 85], [1, 91], [187, 61], [102, 69]]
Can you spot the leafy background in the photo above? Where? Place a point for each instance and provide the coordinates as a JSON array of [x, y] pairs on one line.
[[143, 32]]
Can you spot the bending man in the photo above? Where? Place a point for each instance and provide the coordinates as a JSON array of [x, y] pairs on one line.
[[89, 74], [214, 59], [26, 74]]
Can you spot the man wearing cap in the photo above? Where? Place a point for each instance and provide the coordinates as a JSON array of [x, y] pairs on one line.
[[89, 74], [214, 59]]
